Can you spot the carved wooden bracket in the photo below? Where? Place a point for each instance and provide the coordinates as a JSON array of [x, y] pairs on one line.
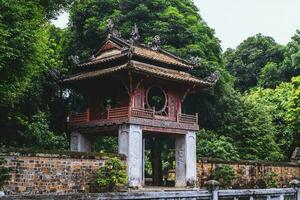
[[187, 92], [124, 84]]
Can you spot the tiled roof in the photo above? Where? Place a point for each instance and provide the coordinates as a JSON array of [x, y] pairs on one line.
[[142, 68], [139, 50], [167, 73], [103, 59], [93, 74], [159, 56]]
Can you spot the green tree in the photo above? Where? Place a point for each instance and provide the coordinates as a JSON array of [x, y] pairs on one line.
[[225, 174], [40, 136], [290, 66], [28, 52], [282, 103], [247, 60], [54, 7], [269, 76], [112, 175], [250, 126], [275, 73], [209, 144], [178, 23], [271, 180], [22, 42]]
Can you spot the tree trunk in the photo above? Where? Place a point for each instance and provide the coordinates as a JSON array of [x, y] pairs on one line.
[[156, 161]]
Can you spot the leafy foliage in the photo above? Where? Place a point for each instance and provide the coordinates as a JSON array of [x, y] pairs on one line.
[[181, 29], [275, 73], [209, 144], [21, 45], [250, 126], [247, 60], [53, 7], [28, 52], [225, 174], [112, 174], [38, 133], [260, 61], [271, 180], [105, 144], [281, 104]]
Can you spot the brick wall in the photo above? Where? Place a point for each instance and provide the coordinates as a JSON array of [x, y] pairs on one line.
[[249, 174], [51, 173], [71, 173]]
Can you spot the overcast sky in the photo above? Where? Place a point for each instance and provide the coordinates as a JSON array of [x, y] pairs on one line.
[[235, 20]]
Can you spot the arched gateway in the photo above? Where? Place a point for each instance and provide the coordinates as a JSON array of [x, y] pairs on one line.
[[133, 91]]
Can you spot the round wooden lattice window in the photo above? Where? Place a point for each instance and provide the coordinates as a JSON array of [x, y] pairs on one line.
[[156, 98]]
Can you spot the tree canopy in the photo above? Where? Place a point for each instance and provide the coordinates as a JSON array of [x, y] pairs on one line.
[[249, 58], [28, 51]]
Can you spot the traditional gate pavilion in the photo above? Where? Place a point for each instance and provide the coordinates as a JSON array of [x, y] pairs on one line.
[[133, 90]]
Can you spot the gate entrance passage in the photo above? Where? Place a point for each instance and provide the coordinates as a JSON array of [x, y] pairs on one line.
[[159, 160]]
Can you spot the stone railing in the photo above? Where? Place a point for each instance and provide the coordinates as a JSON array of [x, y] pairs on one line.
[[213, 193]]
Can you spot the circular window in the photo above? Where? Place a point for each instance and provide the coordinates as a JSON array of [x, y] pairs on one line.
[[156, 97]]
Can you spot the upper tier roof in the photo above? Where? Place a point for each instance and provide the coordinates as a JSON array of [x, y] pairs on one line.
[[117, 54], [114, 48]]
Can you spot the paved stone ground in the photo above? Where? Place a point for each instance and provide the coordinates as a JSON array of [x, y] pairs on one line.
[[176, 195]]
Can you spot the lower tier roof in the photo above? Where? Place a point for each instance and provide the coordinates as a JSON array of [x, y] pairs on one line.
[[142, 68]]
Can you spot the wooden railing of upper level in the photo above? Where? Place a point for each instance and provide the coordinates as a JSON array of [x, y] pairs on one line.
[[143, 113], [79, 117], [117, 113], [127, 112], [188, 119]]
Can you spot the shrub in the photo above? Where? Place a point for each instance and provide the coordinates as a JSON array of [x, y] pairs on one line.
[[40, 136], [112, 175], [270, 180], [4, 172], [224, 174]]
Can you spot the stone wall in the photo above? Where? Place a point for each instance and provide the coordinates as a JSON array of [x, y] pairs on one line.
[[249, 174], [51, 173], [35, 173]]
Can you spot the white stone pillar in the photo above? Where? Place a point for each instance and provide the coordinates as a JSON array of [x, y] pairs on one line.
[[191, 159], [185, 146], [80, 143], [180, 149], [131, 144]]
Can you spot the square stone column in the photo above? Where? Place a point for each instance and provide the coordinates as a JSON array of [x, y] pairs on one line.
[[80, 143], [185, 146], [191, 159], [131, 144]]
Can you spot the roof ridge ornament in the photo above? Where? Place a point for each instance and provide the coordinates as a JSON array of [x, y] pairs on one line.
[[74, 59], [195, 60], [135, 35], [130, 51], [213, 78], [155, 45], [92, 57], [112, 29], [56, 75]]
